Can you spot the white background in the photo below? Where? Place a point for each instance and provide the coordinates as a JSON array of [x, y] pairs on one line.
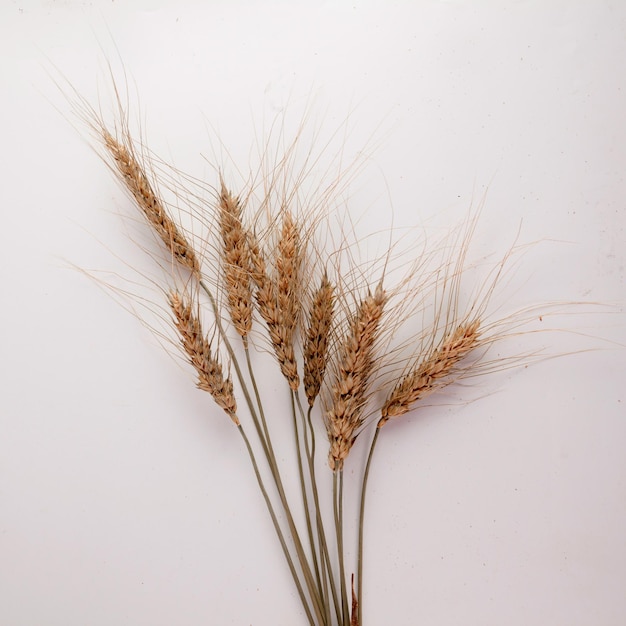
[[126, 498]]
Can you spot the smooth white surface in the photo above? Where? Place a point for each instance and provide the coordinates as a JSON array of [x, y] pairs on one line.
[[125, 498]]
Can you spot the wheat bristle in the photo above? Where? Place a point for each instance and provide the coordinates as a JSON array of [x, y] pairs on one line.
[[236, 262], [138, 184], [316, 340], [355, 365], [198, 349], [429, 375]]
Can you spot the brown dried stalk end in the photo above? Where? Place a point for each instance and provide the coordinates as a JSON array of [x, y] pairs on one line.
[[278, 298], [134, 177], [429, 375], [236, 262], [198, 349], [354, 619], [354, 369], [316, 340]]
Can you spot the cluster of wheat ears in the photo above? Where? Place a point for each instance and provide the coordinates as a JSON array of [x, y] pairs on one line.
[[355, 351]]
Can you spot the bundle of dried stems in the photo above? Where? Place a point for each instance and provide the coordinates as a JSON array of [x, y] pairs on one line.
[[336, 330]]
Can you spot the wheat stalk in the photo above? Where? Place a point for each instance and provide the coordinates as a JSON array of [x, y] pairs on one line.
[[354, 369], [268, 275], [278, 295], [430, 374], [355, 363], [236, 263], [136, 180]]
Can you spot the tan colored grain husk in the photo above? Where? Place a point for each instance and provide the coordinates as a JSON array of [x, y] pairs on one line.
[[278, 296], [198, 350], [236, 262], [430, 374], [136, 180], [316, 340], [354, 369]]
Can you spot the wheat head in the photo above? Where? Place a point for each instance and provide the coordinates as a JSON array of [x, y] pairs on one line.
[[198, 350], [136, 180], [316, 339], [430, 374], [236, 262], [353, 374], [276, 294]]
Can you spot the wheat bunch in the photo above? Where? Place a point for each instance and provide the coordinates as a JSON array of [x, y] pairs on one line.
[[345, 359]]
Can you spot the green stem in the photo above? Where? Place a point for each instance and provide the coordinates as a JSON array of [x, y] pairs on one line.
[[338, 506], [263, 423], [271, 460], [305, 498], [277, 527], [304, 564], [324, 554], [361, 525]]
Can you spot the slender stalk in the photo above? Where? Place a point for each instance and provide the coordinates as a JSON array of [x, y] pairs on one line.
[[271, 459], [257, 395], [324, 554], [342, 553], [313, 589], [338, 507], [324, 575], [277, 527], [305, 497], [361, 525], [306, 568]]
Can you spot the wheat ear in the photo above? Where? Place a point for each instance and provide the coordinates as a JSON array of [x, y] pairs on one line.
[[278, 299], [354, 369], [430, 374], [316, 340], [288, 273], [236, 262], [288, 292], [136, 180], [198, 350]]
